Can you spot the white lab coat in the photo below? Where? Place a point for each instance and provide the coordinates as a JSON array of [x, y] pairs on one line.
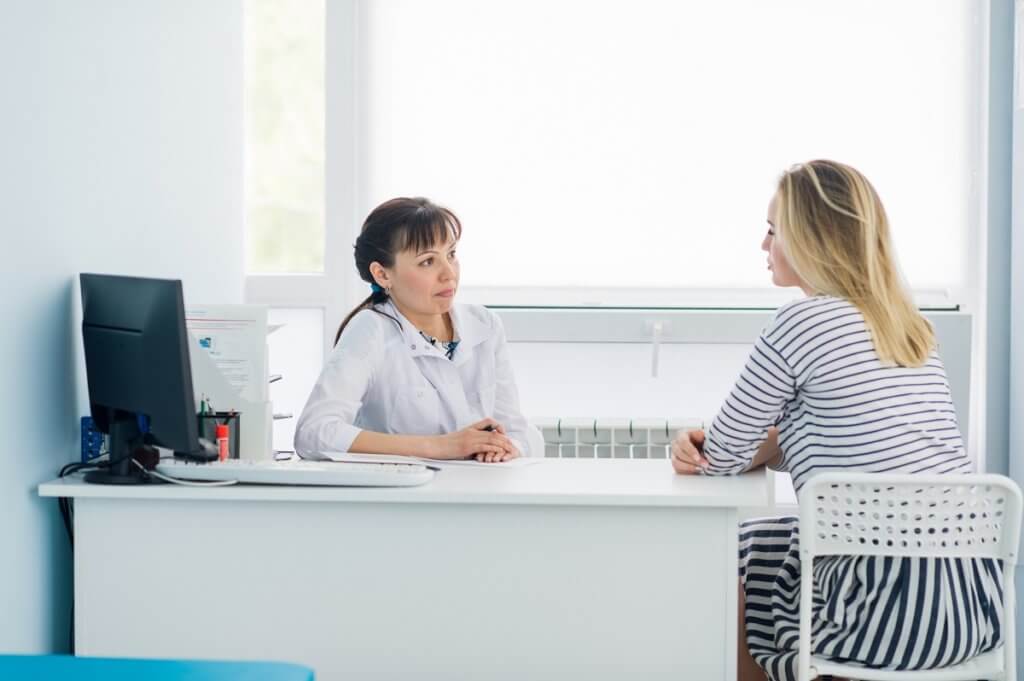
[[389, 380]]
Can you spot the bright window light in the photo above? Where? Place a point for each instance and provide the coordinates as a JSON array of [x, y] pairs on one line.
[[284, 109], [635, 146]]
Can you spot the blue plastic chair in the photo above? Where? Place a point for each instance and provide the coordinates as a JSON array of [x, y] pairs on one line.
[[70, 668]]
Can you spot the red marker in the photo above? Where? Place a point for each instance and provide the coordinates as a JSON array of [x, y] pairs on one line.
[[222, 442]]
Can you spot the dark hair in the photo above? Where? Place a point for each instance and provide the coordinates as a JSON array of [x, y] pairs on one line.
[[394, 226]]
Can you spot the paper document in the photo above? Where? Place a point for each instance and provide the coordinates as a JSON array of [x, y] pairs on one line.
[[235, 337], [518, 462], [228, 357]]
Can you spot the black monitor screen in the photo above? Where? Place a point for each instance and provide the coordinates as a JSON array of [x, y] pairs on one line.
[[137, 365]]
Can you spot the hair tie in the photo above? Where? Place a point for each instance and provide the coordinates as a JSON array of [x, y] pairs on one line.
[[375, 288]]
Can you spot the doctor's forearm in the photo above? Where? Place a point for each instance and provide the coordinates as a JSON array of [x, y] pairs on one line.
[[369, 442]]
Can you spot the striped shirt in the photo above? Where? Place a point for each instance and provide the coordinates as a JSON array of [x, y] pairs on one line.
[[814, 374]]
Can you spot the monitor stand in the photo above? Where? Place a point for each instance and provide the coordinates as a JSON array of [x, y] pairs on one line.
[[125, 436]]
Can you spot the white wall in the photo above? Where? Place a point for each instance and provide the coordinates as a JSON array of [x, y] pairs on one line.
[[599, 363], [122, 153]]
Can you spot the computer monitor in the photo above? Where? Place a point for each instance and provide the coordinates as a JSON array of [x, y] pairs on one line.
[[137, 365]]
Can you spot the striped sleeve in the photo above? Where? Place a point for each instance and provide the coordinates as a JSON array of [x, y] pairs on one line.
[[755, 404]]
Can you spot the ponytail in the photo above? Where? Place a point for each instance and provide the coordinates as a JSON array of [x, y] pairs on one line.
[[376, 298]]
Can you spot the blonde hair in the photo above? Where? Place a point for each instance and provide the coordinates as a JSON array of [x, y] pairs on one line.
[[835, 234]]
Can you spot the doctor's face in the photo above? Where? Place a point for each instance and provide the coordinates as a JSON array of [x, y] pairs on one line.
[[425, 282]]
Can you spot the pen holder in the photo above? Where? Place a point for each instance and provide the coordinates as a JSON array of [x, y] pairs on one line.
[[209, 421]]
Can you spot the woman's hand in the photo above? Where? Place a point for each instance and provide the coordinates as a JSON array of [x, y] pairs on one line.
[[485, 440], [688, 453]]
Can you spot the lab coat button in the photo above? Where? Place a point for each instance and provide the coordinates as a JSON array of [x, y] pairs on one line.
[[413, 346]]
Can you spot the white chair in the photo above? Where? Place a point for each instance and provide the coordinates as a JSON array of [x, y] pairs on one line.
[[878, 514]]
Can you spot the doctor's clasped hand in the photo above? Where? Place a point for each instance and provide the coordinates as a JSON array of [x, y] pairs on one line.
[[484, 440]]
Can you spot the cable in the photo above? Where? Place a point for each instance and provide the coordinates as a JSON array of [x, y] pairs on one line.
[[186, 483], [76, 466], [67, 514], [67, 511]]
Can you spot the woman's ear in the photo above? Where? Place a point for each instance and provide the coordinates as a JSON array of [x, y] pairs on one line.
[[380, 275]]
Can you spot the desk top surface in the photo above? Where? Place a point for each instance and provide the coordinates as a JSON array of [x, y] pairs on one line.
[[556, 482]]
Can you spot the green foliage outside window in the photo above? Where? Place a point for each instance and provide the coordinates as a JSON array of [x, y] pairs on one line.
[[284, 118]]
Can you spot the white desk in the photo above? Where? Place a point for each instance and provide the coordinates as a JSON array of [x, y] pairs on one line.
[[568, 569]]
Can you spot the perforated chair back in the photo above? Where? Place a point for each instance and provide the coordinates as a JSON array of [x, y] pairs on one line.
[[871, 514], [880, 514]]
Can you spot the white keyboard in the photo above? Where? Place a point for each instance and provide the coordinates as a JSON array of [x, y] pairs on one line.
[[300, 472]]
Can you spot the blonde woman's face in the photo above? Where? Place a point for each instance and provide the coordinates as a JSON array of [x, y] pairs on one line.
[[782, 273]]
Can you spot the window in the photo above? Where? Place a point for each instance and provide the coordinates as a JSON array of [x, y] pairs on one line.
[[604, 153], [284, 91], [633, 148]]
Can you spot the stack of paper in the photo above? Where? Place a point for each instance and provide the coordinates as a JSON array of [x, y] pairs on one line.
[[518, 462]]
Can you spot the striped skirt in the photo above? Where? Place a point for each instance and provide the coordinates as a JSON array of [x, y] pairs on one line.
[[896, 613]]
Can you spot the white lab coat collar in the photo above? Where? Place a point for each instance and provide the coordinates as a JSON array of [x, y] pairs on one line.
[[469, 329]]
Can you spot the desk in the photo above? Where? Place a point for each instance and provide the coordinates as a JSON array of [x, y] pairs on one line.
[[563, 570], [68, 668]]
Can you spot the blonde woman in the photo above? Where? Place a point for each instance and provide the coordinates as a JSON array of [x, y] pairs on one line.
[[846, 379]]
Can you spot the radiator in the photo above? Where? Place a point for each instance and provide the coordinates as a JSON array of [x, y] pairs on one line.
[[610, 438]]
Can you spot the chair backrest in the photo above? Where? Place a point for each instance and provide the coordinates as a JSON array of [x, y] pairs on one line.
[[883, 514]]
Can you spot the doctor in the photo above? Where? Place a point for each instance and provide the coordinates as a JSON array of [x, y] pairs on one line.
[[412, 372]]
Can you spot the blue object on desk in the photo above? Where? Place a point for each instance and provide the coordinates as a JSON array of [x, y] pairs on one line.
[[92, 440], [69, 668]]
